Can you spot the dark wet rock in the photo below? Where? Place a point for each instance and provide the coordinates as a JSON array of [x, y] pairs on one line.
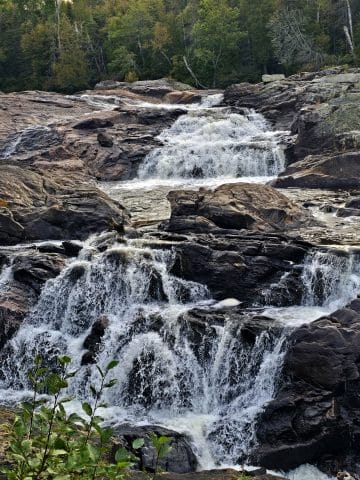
[[180, 459], [30, 270], [71, 249], [231, 244], [93, 341], [353, 203], [14, 305], [206, 475], [348, 212], [314, 416], [239, 206], [327, 208], [105, 140], [252, 264], [281, 101], [35, 269], [55, 208], [51, 248], [93, 124], [26, 117], [332, 172], [11, 231], [30, 139]]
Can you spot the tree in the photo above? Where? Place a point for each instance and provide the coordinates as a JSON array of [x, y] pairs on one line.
[[216, 36]]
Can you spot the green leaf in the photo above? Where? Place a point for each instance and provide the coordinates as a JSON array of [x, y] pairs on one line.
[[93, 391], [138, 443], [112, 364], [87, 408], [121, 455], [65, 360], [111, 383], [55, 383], [94, 452], [58, 452]]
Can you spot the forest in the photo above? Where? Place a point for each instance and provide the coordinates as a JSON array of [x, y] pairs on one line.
[[69, 45]]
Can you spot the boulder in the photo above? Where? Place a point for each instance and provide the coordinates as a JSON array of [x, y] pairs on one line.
[[183, 97], [105, 140], [348, 212], [180, 459], [332, 172], [236, 207], [93, 340], [93, 124], [354, 203], [40, 207], [277, 77], [30, 270], [257, 267]]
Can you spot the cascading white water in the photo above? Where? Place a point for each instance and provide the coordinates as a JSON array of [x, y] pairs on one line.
[[331, 279], [215, 143], [211, 388]]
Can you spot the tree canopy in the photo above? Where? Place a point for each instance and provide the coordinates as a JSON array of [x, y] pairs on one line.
[[68, 45]]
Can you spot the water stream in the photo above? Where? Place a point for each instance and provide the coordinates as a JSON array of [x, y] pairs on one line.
[[211, 386]]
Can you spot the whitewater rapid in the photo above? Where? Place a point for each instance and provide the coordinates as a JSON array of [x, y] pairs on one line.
[[212, 391]]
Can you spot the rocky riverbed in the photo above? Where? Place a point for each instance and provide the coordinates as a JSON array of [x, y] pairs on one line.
[[220, 224]]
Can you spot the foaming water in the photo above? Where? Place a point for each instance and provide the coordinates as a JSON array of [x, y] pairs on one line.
[[215, 143], [306, 472], [331, 278], [207, 381], [178, 183], [210, 387], [110, 102]]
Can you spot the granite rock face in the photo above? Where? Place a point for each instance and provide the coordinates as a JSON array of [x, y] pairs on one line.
[[42, 207], [242, 206], [314, 416], [233, 240]]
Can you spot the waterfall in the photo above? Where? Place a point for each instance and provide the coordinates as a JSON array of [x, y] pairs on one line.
[[209, 385], [331, 279], [210, 381], [215, 143]]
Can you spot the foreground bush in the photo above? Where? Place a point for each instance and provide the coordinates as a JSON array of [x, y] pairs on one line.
[[47, 443]]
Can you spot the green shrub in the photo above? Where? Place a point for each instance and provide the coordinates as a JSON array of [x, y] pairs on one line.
[[47, 443]]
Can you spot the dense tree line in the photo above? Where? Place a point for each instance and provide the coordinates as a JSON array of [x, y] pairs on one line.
[[68, 45]]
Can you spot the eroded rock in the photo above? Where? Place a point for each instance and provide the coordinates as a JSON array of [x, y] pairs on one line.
[[42, 207], [239, 206], [314, 417]]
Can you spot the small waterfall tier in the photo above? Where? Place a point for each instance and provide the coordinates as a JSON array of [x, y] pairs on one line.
[[215, 143], [331, 279]]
